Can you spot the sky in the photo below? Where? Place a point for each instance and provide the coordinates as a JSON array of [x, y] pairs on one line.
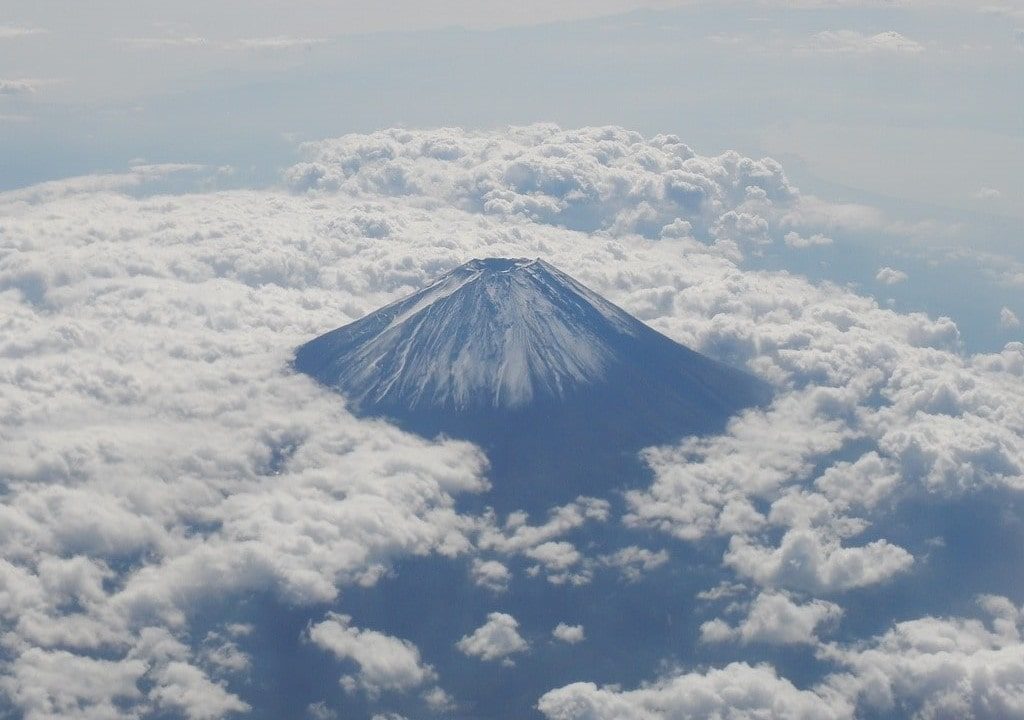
[[823, 193]]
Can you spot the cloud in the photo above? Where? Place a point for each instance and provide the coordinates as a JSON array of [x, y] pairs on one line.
[[704, 486], [134, 177], [186, 689], [634, 561], [158, 453], [590, 179], [517, 535], [1008, 319], [852, 42], [939, 667], [1012, 9], [570, 634], [385, 663], [737, 690], [774, 618], [496, 639], [281, 491], [924, 668], [889, 276], [17, 87], [15, 31], [558, 559], [321, 711], [270, 43], [438, 701], [156, 43], [278, 42], [796, 240], [987, 193], [811, 561], [490, 574]]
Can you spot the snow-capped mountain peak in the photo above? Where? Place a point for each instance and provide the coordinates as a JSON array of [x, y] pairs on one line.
[[494, 332], [558, 385]]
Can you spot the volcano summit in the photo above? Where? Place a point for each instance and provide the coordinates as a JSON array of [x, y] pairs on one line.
[[558, 385]]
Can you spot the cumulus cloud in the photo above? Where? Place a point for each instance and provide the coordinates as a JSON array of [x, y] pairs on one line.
[[811, 561], [925, 668], [737, 690], [558, 559], [634, 561], [774, 618], [570, 634], [490, 574], [321, 711], [852, 42], [496, 639], [939, 667], [158, 452], [228, 492], [592, 179], [385, 662], [889, 276]]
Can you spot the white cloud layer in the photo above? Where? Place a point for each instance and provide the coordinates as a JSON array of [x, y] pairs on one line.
[[158, 454], [926, 668]]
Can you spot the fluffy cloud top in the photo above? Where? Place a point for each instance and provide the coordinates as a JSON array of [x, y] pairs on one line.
[[890, 276], [496, 639], [385, 662], [939, 667], [812, 561], [774, 618], [738, 690], [595, 179], [491, 574], [570, 634], [158, 453]]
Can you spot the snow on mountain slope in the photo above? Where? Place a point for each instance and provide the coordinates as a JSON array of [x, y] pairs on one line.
[[492, 332]]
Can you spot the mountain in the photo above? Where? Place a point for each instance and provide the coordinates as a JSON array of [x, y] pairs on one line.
[[559, 386]]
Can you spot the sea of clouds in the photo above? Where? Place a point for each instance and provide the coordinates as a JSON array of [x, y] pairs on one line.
[[159, 456]]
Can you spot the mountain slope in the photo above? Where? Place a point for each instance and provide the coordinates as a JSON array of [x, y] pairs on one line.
[[558, 385]]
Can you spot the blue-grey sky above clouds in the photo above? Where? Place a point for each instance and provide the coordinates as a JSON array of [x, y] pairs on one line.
[[824, 192]]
